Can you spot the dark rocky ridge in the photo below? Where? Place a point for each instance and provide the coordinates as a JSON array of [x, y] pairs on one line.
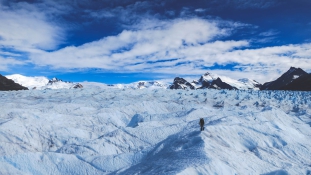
[[180, 83], [284, 80], [302, 83]]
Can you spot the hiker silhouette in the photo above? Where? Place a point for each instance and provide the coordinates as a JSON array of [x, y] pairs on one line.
[[201, 124]]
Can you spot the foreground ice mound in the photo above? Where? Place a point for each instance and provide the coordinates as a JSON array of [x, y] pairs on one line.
[[126, 131]]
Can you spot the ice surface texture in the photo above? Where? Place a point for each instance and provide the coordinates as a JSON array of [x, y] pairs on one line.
[[115, 131]]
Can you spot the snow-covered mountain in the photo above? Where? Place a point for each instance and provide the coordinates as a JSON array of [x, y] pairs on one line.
[[114, 131], [180, 83], [29, 82], [9, 85], [213, 81], [41, 83], [293, 79]]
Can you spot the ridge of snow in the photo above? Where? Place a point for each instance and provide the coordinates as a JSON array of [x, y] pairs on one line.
[[29, 82], [40, 82], [143, 85], [209, 76], [134, 85], [242, 84]]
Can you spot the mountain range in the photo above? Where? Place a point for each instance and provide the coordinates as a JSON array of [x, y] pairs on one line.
[[213, 81], [294, 79], [42, 83]]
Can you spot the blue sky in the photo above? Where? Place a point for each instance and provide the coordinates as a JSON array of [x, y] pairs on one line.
[[122, 41]]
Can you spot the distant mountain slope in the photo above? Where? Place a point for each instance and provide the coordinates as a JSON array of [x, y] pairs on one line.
[[30, 82], [180, 83], [219, 84], [292, 74], [40, 82], [8, 85], [134, 85], [303, 83], [56, 83], [213, 81]]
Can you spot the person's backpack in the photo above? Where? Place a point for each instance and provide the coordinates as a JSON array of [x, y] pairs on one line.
[[201, 121]]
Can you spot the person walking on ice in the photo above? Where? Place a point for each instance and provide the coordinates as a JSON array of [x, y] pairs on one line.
[[201, 124]]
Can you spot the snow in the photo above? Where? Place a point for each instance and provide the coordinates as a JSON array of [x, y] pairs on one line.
[[295, 76], [39, 82], [241, 84], [42, 83], [30, 82], [209, 77], [100, 130], [143, 85]]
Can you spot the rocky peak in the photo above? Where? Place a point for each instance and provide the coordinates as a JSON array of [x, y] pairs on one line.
[[180, 83]]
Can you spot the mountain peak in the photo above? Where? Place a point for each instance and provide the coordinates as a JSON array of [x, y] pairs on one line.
[[296, 71]]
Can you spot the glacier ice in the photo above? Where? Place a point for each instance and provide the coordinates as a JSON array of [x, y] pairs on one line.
[[99, 130]]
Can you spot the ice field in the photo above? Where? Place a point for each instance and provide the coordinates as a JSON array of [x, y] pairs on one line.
[[99, 130]]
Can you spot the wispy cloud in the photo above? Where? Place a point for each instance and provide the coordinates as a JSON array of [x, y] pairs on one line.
[[254, 3], [199, 10], [5, 63], [9, 54], [24, 30], [269, 33]]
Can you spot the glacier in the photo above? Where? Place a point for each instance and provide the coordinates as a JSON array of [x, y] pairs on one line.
[[100, 130]]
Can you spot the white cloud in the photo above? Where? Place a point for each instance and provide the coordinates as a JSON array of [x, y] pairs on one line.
[[168, 40], [6, 62], [263, 4], [126, 14], [26, 28], [191, 43]]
